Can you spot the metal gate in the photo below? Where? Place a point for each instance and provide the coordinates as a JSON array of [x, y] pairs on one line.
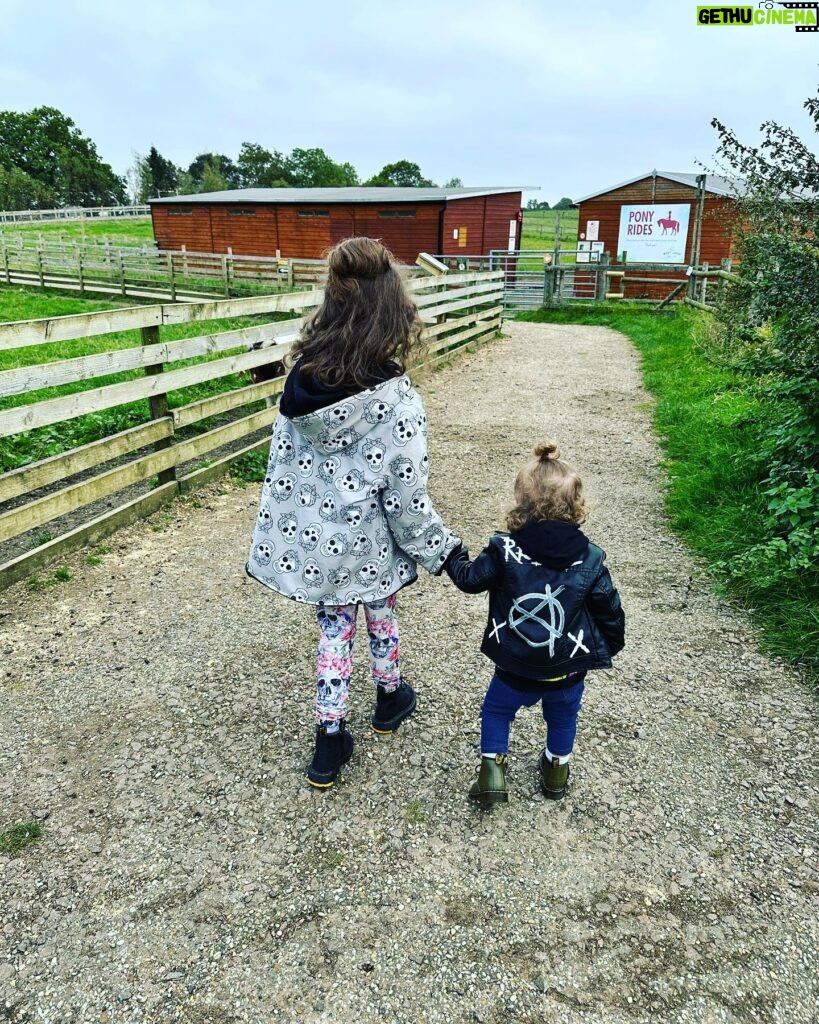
[[538, 277]]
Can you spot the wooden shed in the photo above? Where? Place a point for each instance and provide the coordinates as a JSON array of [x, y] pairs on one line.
[[304, 222], [659, 218]]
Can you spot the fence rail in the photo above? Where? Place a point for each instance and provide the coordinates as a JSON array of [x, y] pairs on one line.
[[147, 272], [72, 213], [178, 428]]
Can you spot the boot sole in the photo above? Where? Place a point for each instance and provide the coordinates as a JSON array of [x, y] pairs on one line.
[[325, 780], [384, 728], [491, 798]]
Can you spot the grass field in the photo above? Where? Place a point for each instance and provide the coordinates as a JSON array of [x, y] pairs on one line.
[[25, 304], [711, 418], [127, 231], [541, 228]]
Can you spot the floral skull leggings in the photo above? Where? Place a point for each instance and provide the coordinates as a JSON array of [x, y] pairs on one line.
[[337, 625]]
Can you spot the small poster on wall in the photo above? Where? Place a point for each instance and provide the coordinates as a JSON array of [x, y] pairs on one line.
[[583, 252], [654, 233], [592, 230], [596, 251]]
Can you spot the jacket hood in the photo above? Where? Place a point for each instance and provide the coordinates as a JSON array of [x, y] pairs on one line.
[[338, 426], [553, 543]]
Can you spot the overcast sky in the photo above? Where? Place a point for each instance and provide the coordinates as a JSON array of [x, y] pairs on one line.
[[570, 97]]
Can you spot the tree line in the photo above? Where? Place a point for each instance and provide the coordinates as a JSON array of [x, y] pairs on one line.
[[46, 161], [154, 175]]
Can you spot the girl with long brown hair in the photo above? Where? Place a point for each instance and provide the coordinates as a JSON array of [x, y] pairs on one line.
[[345, 515]]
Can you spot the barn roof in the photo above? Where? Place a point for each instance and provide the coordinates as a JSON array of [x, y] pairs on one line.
[[356, 194], [713, 183]]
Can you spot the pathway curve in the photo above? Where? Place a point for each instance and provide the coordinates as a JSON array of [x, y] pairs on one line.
[[155, 714]]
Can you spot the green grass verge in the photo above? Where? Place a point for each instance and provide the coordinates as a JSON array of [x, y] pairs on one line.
[[17, 837], [117, 231], [540, 229], [43, 442], [711, 419]]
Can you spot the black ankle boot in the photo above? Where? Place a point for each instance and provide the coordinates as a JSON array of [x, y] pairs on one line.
[[332, 751], [392, 708]]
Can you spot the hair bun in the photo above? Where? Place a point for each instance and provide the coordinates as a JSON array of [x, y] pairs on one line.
[[359, 258], [547, 451]]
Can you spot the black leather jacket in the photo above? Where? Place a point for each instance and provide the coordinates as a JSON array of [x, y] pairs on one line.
[[553, 608]]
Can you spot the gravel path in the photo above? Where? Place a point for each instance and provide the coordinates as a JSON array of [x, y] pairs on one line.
[[156, 716]]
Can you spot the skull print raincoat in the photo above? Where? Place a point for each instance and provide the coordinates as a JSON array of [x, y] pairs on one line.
[[345, 515]]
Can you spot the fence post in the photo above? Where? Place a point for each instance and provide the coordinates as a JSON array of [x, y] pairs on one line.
[[184, 261], [171, 277], [79, 270], [231, 269], [158, 402], [704, 286], [121, 273], [548, 281], [6, 262], [40, 264], [225, 277]]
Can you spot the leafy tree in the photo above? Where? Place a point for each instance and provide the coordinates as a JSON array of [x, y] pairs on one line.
[[220, 168], [48, 147], [537, 204], [454, 183], [19, 191], [402, 174], [563, 204], [771, 323], [257, 167], [313, 168], [163, 173]]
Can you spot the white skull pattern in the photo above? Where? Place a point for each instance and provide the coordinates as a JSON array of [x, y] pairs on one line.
[[404, 430], [419, 503], [335, 546], [385, 584], [362, 545], [283, 487], [312, 574], [306, 496], [339, 577], [265, 518], [284, 448], [374, 452], [368, 573], [310, 536], [301, 595], [330, 687], [328, 469], [263, 552], [343, 441], [305, 462], [353, 517], [338, 414], [378, 412], [351, 482], [288, 562], [328, 507], [404, 569], [433, 541], [288, 526], [392, 504], [404, 470]]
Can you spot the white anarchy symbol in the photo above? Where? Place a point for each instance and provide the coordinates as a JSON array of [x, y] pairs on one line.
[[520, 614]]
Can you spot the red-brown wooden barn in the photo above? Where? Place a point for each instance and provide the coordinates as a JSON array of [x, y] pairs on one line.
[[304, 222], [654, 219]]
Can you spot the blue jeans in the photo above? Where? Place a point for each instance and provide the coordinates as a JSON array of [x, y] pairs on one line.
[[561, 706]]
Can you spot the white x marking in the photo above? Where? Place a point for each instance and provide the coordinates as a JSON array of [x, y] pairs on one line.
[[496, 631], [578, 642]]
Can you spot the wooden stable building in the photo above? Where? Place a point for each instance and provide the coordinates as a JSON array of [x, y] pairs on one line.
[[661, 219], [304, 222]]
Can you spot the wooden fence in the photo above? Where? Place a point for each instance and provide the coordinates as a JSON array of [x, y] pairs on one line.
[[117, 469], [72, 213], [147, 272]]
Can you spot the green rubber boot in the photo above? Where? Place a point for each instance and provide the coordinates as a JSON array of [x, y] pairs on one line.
[[490, 786], [553, 777]]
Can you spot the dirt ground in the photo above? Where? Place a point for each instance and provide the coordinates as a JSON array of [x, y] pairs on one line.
[[156, 718]]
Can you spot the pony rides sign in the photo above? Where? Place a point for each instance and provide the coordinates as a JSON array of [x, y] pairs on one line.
[[654, 233]]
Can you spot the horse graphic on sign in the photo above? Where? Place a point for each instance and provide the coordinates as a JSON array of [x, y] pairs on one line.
[[669, 224]]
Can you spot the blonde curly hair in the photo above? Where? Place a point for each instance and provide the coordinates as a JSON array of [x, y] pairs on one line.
[[547, 488]]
